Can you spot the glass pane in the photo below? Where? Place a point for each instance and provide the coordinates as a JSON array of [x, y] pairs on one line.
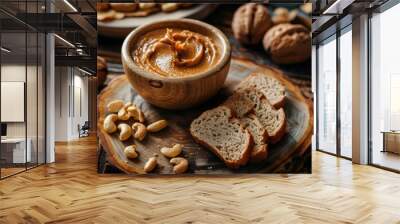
[[385, 84], [31, 85], [22, 88], [327, 96], [41, 99], [346, 94], [31, 99], [13, 85]]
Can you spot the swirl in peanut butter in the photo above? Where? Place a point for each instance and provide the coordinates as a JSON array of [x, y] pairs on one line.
[[175, 52]]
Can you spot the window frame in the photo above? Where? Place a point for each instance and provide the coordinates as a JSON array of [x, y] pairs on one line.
[[31, 30], [337, 34], [381, 9]]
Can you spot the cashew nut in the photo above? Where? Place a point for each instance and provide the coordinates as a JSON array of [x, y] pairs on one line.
[[157, 126], [123, 115], [109, 123], [150, 164], [128, 104], [126, 131], [180, 164], [141, 117], [130, 152], [115, 105], [139, 131], [136, 113], [173, 151]]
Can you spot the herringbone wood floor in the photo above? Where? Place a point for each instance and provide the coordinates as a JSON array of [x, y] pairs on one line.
[[70, 191]]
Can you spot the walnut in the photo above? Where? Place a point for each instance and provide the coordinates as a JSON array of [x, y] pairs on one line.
[[102, 7], [250, 22], [306, 8], [288, 43], [281, 15]]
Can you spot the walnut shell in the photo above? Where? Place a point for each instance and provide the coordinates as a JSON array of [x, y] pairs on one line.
[[250, 22], [288, 43], [102, 7], [281, 15]]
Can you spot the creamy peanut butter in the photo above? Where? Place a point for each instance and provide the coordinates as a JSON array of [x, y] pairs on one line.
[[175, 53]]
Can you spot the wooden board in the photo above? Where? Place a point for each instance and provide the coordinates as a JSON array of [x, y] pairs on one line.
[[298, 138], [121, 28]]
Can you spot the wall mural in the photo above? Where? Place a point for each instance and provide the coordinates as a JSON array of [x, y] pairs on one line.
[[204, 88]]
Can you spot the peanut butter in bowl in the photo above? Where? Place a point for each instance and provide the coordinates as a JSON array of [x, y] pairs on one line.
[[176, 64], [174, 52]]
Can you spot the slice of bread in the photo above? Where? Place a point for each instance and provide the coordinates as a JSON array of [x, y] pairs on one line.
[[260, 136], [272, 119], [240, 103], [224, 135], [269, 86]]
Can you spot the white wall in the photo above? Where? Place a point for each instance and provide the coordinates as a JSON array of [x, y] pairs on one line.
[[70, 83], [12, 73], [80, 102], [61, 103], [33, 126]]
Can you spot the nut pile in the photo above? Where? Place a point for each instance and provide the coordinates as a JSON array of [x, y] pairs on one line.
[[180, 164], [285, 35], [116, 11], [122, 113]]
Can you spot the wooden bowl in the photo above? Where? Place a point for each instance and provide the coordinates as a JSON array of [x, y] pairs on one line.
[[177, 92]]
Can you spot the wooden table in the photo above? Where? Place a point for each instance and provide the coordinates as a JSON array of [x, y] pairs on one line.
[[299, 74]]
